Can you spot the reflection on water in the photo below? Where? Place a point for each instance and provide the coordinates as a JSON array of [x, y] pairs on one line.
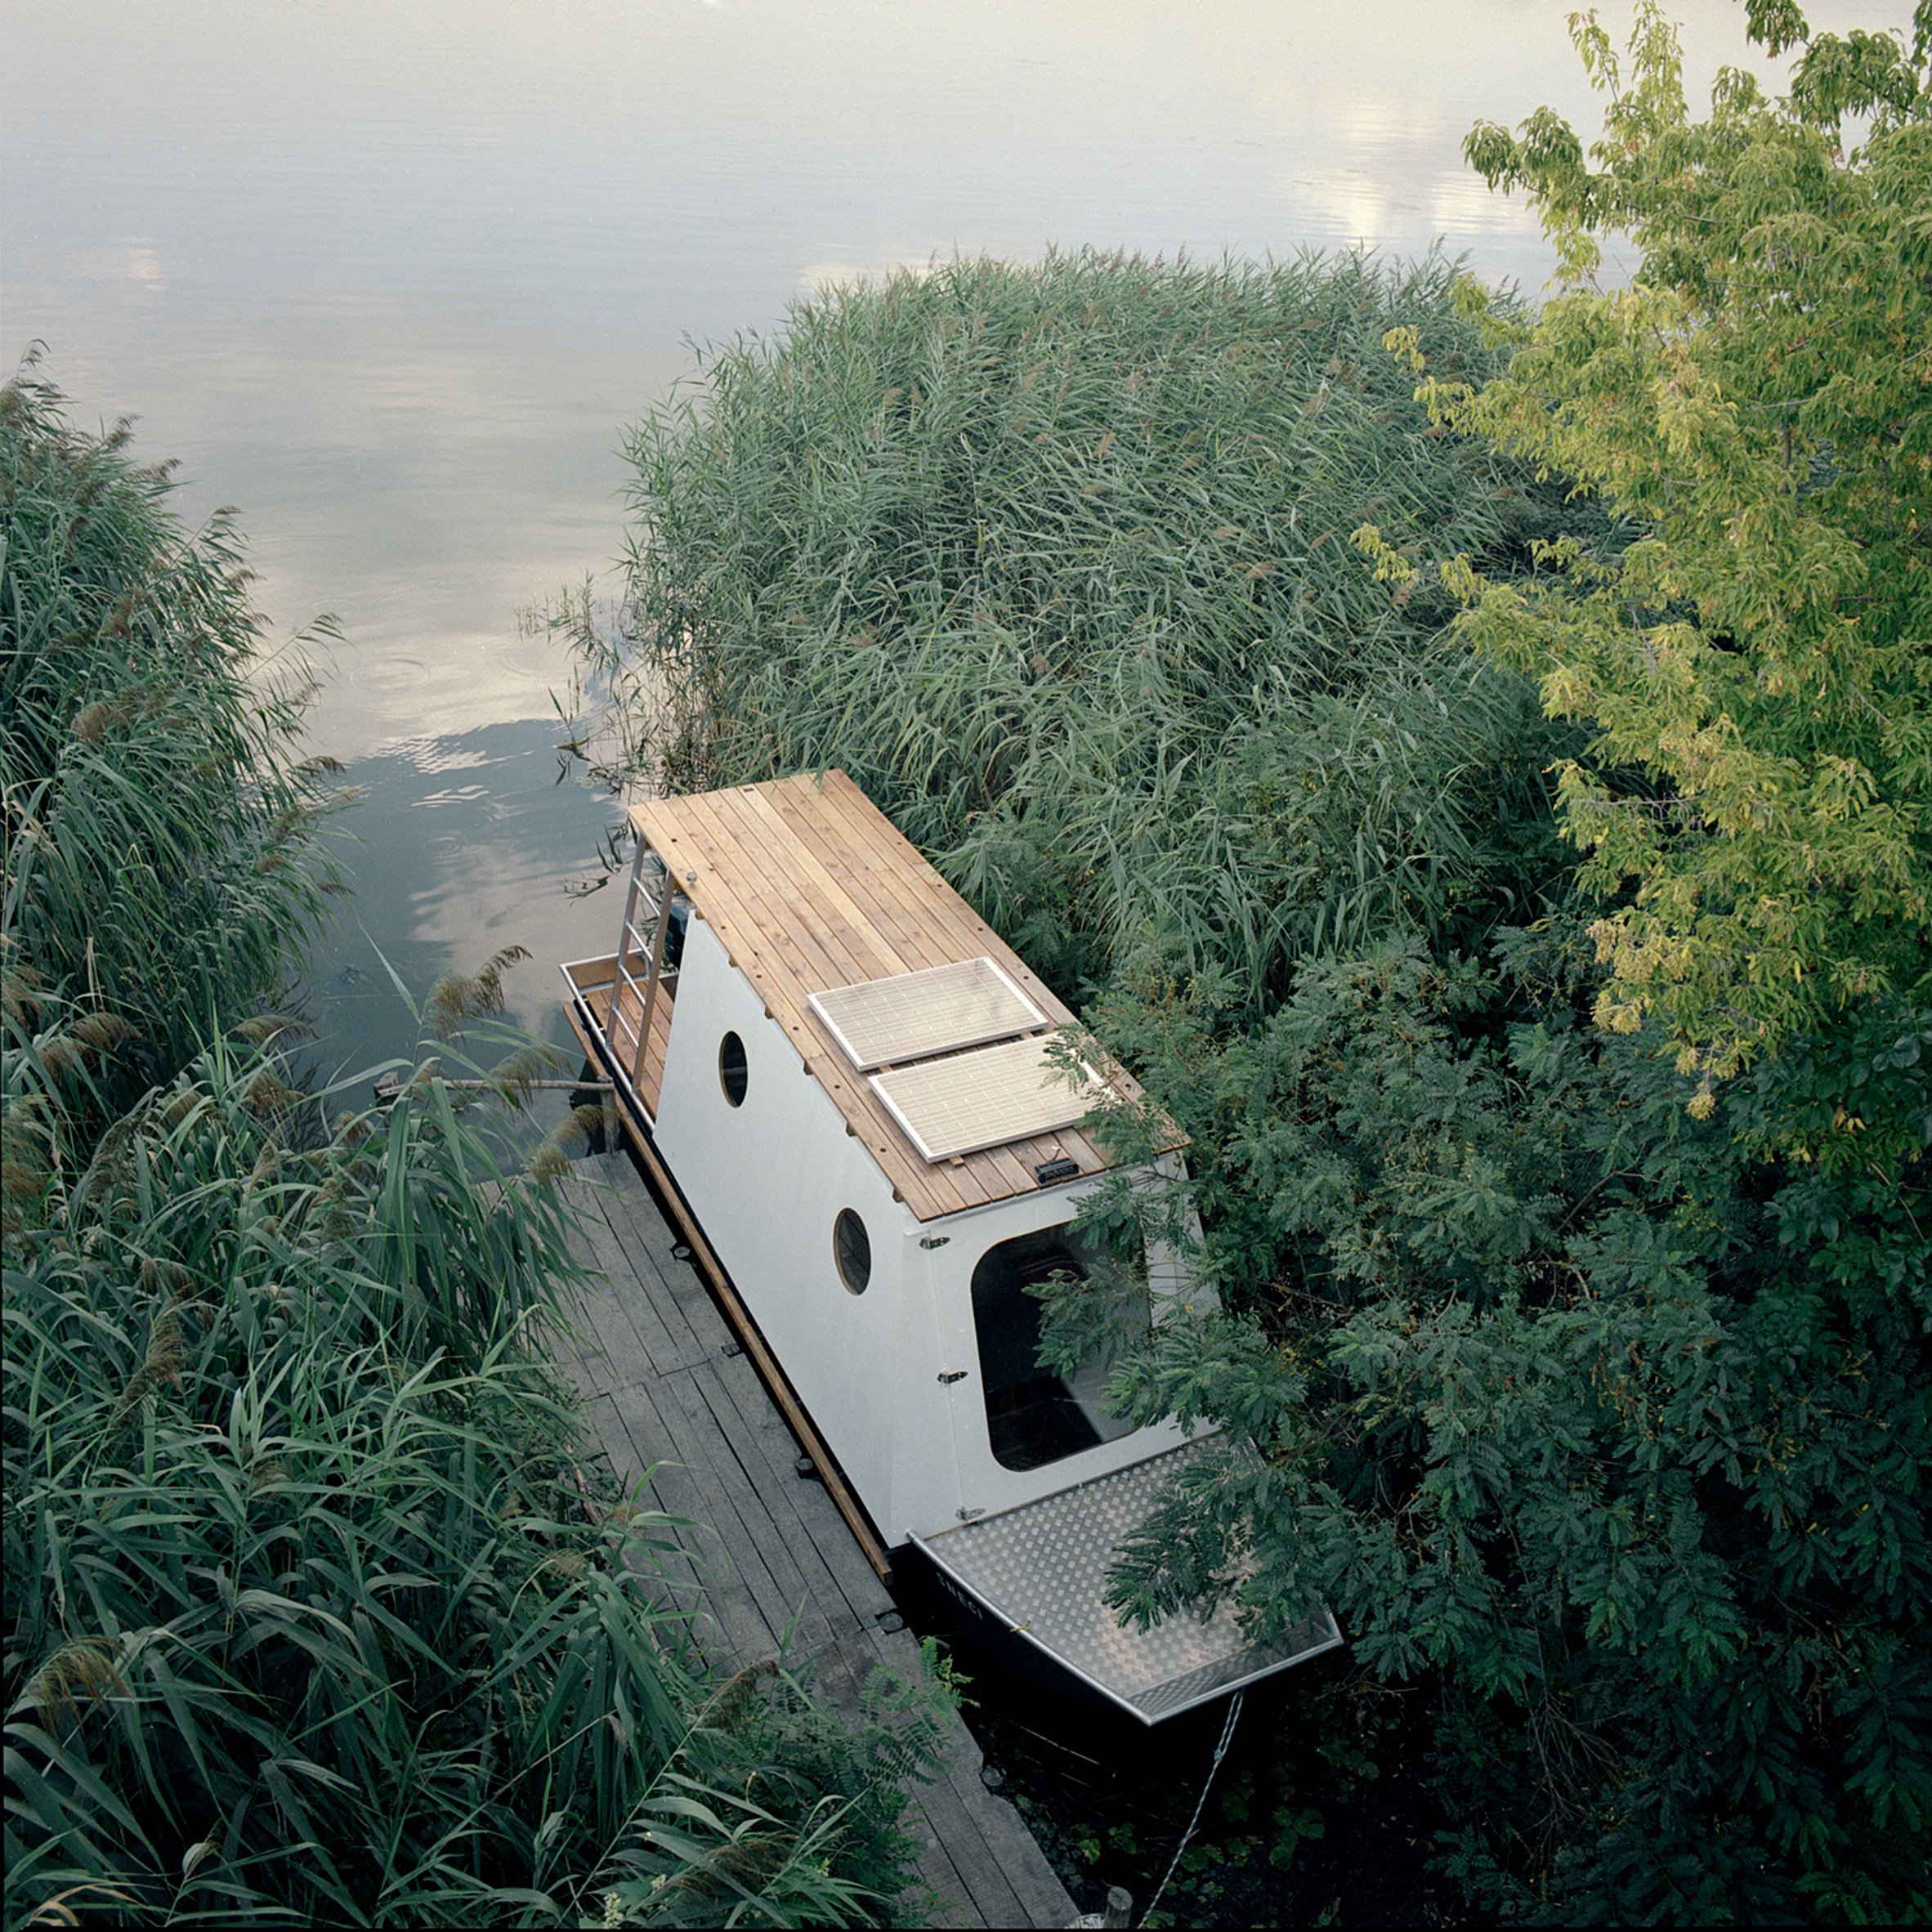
[[462, 845], [390, 279]]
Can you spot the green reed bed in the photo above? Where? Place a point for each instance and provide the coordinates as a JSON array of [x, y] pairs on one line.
[[1055, 560], [313, 1615], [312, 1612], [161, 824]]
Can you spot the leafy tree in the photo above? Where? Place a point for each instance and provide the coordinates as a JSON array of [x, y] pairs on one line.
[[1569, 1407], [1534, 1366], [1755, 668]]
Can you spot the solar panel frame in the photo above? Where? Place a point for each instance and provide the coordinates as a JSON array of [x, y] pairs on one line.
[[965, 1132], [882, 1046]]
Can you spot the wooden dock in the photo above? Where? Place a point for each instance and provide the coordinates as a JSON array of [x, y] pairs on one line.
[[667, 1388]]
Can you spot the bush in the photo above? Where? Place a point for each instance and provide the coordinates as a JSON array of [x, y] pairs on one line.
[[1571, 1408]]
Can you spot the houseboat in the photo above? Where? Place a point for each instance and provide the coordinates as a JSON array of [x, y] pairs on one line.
[[846, 1084]]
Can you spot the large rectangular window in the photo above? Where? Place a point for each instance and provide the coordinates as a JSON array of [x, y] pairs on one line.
[[1035, 1416]]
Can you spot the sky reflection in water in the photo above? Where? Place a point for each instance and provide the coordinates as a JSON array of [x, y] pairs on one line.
[[391, 279]]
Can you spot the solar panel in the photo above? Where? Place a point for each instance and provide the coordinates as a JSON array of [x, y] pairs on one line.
[[983, 1099], [880, 1022]]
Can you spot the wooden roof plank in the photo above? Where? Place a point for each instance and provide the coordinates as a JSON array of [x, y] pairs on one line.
[[931, 1188], [779, 954], [765, 930], [850, 945], [1015, 1160], [913, 936], [763, 918], [838, 892], [770, 921], [810, 886], [948, 908]]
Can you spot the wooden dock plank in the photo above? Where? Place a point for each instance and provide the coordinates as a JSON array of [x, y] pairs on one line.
[[747, 1336], [718, 1414], [743, 1521], [667, 1419], [842, 1575], [833, 1567], [987, 1842], [737, 1626], [976, 1879], [635, 1323], [772, 1566]]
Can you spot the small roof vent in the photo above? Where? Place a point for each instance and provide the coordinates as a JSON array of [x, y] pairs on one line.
[[909, 1016]]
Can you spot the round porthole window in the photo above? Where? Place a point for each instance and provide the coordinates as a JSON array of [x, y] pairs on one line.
[[733, 1076], [851, 1248]]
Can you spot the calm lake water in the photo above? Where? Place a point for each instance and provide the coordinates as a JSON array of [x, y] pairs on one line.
[[391, 275]]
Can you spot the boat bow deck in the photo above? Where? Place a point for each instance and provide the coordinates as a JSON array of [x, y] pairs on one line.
[[1042, 1570]]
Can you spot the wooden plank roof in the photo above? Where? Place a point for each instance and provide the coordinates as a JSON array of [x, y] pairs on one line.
[[810, 886]]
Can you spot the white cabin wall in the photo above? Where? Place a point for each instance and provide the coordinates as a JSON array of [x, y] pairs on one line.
[[766, 1180], [925, 1476], [1170, 1279]]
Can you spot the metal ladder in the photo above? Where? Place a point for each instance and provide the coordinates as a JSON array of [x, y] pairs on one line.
[[641, 970]]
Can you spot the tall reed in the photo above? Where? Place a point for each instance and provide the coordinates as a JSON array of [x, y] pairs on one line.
[[313, 1613], [162, 829], [1054, 559]]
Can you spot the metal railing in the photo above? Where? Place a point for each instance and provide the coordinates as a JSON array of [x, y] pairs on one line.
[[640, 975]]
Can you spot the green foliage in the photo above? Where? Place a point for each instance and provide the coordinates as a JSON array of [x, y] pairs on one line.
[[1053, 560], [1598, 1411], [311, 1615], [1561, 1398], [162, 858], [1754, 670], [1568, 1400]]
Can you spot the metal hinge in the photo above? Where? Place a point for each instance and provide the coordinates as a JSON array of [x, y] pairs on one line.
[[968, 1515], [934, 1240], [953, 1375]]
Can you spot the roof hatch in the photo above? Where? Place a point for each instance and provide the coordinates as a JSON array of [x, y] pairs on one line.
[[911, 1016]]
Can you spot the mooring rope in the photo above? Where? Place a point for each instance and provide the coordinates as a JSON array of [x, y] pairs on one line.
[[1234, 1712]]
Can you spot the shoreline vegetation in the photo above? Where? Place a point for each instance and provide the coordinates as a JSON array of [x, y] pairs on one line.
[[1471, 761], [312, 1615]]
